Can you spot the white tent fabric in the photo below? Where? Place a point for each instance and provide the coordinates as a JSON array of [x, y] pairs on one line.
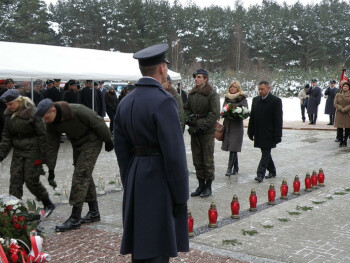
[[31, 61]]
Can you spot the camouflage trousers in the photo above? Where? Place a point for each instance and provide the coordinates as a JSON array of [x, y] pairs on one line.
[[203, 155], [23, 171], [83, 186]]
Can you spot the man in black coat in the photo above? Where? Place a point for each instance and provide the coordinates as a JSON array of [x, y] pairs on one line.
[[153, 167], [265, 128], [314, 100], [55, 93], [86, 96]]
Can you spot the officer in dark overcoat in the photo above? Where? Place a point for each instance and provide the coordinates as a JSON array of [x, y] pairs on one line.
[[86, 132], [330, 92], [265, 128], [153, 168], [314, 100], [86, 96], [55, 93]]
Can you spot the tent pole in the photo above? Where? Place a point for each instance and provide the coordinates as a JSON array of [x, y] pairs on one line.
[[32, 89]]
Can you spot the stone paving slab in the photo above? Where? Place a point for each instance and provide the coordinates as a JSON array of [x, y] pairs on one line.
[[319, 235]]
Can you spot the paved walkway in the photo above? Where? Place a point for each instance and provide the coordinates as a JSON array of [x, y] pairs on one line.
[[311, 228]]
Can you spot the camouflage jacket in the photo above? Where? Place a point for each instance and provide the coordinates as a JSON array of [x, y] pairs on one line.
[[80, 124], [25, 132]]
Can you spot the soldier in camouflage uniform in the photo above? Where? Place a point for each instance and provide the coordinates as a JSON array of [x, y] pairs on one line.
[[202, 111], [86, 131], [27, 135]]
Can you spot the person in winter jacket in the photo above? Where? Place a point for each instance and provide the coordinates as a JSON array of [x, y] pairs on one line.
[[26, 134]]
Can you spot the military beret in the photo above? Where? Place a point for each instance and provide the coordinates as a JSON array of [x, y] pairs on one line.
[[169, 78], [314, 80], [333, 81], [43, 107], [152, 55], [200, 71], [9, 95], [307, 86]]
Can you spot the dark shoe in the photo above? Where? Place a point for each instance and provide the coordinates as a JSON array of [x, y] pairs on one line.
[[200, 188], [229, 172], [230, 164], [73, 221], [336, 140], [341, 144], [47, 211], [270, 175], [93, 215], [345, 144], [311, 123], [258, 179], [207, 190], [330, 123]]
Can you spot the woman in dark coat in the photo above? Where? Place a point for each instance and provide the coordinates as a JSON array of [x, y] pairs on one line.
[[72, 94], [329, 109], [233, 136], [342, 117], [111, 102]]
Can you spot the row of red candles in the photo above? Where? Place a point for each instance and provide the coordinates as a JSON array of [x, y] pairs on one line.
[[311, 182]]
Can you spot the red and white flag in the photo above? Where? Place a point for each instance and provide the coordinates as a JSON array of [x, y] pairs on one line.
[[343, 77]]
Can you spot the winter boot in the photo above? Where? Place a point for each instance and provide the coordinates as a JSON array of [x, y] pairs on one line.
[[93, 215], [230, 164], [48, 208], [207, 189], [330, 120], [200, 188], [72, 222], [303, 118], [235, 163]]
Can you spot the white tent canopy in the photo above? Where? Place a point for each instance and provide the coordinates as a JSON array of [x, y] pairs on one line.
[[21, 61]]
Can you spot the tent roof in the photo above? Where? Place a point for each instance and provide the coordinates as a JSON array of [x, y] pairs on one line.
[[31, 61]]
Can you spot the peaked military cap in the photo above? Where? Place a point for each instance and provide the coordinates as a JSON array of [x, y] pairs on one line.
[[152, 55], [37, 82], [49, 81], [314, 80], [333, 81], [43, 107], [88, 81], [57, 80], [9, 95], [200, 71]]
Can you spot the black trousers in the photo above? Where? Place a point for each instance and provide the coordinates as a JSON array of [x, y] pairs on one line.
[[266, 163], [302, 108], [159, 259]]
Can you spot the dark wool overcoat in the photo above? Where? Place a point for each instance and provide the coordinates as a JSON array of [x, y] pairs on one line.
[[233, 136], [148, 117], [314, 100], [55, 94], [329, 109], [265, 123]]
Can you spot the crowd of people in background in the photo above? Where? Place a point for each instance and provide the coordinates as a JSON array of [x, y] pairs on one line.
[[337, 106]]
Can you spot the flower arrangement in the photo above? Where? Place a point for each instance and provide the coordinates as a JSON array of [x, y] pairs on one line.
[[231, 111], [39, 165], [18, 228]]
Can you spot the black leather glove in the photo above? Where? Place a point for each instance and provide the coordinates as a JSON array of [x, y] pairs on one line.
[[51, 178], [278, 139], [199, 131], [109, 146], [251, 137], [178, 208]]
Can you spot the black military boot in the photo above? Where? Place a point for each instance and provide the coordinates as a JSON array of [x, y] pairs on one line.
[[235, 163], [93, 215], [72, 222], [303, 118], [207, 189], [230, 164], [199, 189], [48, 208]]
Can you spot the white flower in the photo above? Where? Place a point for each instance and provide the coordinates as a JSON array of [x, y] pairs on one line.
[[12, 202], [2, 241], [238, 110]]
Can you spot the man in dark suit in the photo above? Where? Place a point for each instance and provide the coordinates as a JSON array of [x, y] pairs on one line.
[[55, 93], [265, 128], [153, 167]]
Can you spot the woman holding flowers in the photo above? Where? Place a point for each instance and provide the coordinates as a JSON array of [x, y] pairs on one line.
[[235, 109], [26, 134]]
